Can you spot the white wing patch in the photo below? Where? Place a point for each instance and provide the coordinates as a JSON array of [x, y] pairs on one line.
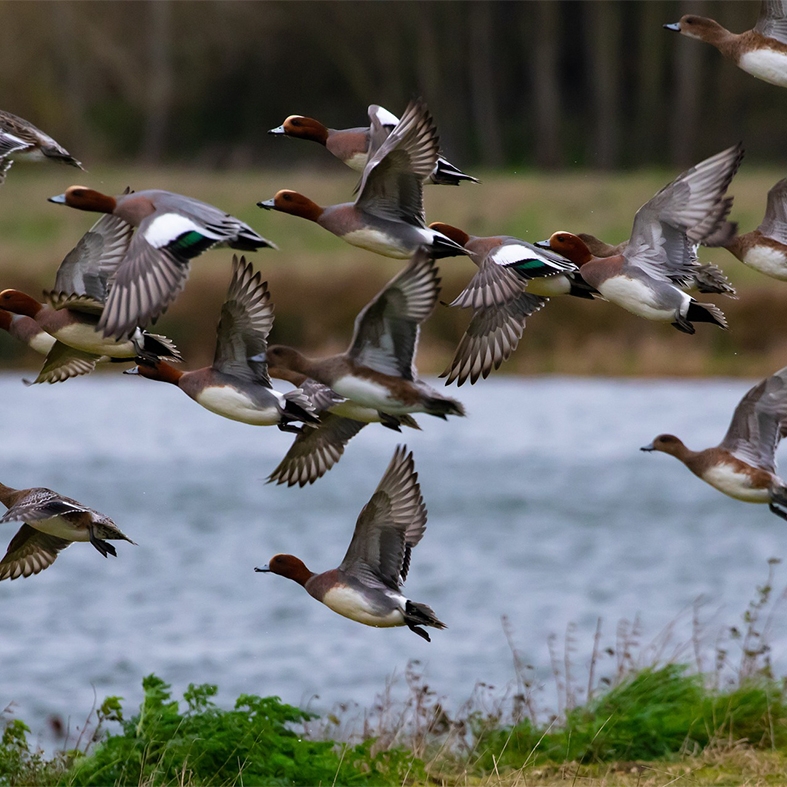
[[386, 118], [168, 227]]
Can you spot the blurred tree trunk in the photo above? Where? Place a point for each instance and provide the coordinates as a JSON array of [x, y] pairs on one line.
[[73, 106], [160, 80], [483, 62], [604, 56], [542, 21], [650, 71], [688, 82]]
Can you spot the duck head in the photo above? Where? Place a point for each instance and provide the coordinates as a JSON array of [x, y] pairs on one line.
[[156, 370], [668, 444], [287, 566], [83, 198], [286, 201], [302, 127], [570, 246], [19, 303], [700, 27], [286, 359]]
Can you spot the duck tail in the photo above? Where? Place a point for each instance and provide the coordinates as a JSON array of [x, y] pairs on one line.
[[444, 406], [706, 312], [159, 347], [446, 174], [248, 240], [445, 247], [417, 615], [298, 407]]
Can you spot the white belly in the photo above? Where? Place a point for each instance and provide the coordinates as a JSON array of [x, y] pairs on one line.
[[370, 394], [379, 242], [351, 604], [767, 65], [735, 484], [549, 286], [357, 412], [636, 297], [62, 529], [766, 260], [84, 337], [231, 403], [357, 161]]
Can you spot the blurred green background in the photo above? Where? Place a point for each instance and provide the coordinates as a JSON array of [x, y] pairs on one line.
[[572, 113]]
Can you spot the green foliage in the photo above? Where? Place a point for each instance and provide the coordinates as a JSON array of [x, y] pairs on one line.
[[20, 765], [204, 745], [657, 713]]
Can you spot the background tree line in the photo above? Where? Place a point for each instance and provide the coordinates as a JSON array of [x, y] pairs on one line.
[[512, 84]]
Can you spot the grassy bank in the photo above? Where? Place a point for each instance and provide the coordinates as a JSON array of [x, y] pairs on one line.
[[630, 716], [319, 283], [657, 726]]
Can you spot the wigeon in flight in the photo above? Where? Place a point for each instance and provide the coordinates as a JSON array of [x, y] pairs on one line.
[[707, 278], [387, 216], [661, 251], [318, 447], [743, 464], [502, 298], [75, 305], [20, 140], [367, 585], [170, 231], [378, 370], [237, 384], [51, 523], [765, 249], [761, 52], [353, 146]]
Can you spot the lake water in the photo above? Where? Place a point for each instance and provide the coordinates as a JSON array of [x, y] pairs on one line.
[[541, 509]]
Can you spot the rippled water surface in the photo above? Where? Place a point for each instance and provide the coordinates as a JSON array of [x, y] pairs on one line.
[[541, 509]]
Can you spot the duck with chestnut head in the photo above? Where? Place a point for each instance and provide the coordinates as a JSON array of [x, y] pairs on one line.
[[170, 230], [354, 146], [387, 216], [367, 585], [645, 276]]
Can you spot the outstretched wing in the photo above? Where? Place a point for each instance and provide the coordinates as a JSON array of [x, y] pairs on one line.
[[30, 552], [386, 330], [246, 320], [90, 266], [668, 225], [493, 334], [392, 182], [63, 362], [316, 449], [773, 20], [389, 526], [758, 422], [774, 223], [42, 503]]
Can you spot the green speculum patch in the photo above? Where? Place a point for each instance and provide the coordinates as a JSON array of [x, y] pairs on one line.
[[530, 266], [190, 244]]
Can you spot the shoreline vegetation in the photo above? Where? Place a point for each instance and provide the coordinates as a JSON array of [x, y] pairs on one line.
[[319, 284], [637, 714]]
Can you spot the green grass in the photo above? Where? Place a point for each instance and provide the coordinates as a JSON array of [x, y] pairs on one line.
[[658, 720]]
